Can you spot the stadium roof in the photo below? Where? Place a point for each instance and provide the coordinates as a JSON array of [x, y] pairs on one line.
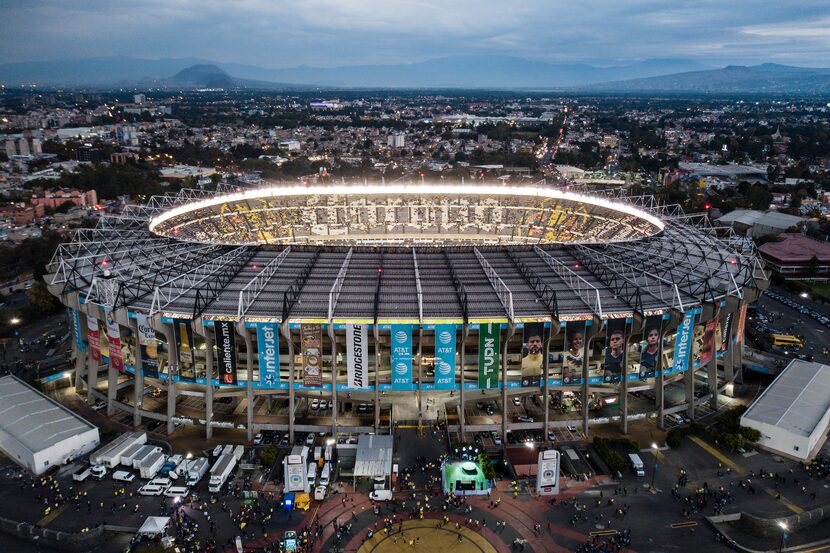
[[33, 419], [797, 399], [374, 455]]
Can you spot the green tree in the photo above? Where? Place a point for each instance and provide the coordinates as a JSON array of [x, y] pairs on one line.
[[268, 455]]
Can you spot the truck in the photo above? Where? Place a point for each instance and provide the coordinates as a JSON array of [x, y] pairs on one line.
[[196, 469], [82, 473], [110, 454], [151, 465], [227, 450], [636, 464], [220, 472], [238, 452], [145, 452], [128, 456]]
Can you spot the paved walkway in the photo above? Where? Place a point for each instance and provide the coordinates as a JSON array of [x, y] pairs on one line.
[[432, 535]]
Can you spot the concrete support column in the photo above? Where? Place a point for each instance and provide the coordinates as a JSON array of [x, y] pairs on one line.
[[92, 369], [511, 330], [689, 381], [138, 379], [333, 338], [462, 419], [172, 370], [555, 326], [209, 360], [80, 365], [112, 386], [659, 398], [377, 377], [420, 376], [624, 383], [286, 333], [712, 380], [249, 361]]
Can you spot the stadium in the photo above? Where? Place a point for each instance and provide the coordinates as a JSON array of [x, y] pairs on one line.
[[350, 309]]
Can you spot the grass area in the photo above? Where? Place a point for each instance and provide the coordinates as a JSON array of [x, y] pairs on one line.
[[820, 291]]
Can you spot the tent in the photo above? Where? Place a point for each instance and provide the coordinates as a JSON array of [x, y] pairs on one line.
[[154, 526]]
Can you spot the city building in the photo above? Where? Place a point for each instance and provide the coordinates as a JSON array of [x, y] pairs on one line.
[[754, 223], [56, 198], [396, 140], [797, 257]]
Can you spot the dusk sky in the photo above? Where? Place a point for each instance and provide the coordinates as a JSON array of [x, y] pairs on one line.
[[286, 33]]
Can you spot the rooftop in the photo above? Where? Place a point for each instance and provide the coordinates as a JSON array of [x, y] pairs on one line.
[[374, 455], [794, 248]]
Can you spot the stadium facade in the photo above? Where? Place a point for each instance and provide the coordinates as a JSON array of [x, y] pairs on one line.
[[415, 299]]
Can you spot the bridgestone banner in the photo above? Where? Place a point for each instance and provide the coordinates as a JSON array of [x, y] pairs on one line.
[[357, 356], [267, 339], [683, 343], [148, 345], [226, 344], [445, 357], [651, 347], [94, 338], [311, 339], [401, 357], [489, 342]]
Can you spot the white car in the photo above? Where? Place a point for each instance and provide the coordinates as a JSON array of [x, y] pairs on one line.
[[309, 440], [571, 428], [380, 495], [258, 439], [324, 404], [315, 404], [496, 438]]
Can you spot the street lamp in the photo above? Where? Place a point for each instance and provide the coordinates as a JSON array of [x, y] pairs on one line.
[[654, 471], [783, 526], [15, 321]]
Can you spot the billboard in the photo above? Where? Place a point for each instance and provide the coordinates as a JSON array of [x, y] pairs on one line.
[[94, 338], [532, 355], [357, 356], [114, 339], [683, 343], [183, 335], [739, 334], [76, 324], [445, 357], [267, 340], [574, 355], [311, 335], [294, 477], [547, 477], [401, 357], [709, 340], [148, 345], [725, 332], [226, 344], [489, 341], [614, 350], [651, 346]]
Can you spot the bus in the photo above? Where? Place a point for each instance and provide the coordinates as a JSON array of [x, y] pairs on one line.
[[785, 341]]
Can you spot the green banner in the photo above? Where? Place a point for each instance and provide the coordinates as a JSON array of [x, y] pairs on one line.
[[489, 339]]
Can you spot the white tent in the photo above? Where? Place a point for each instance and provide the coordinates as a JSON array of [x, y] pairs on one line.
[[154, 526]]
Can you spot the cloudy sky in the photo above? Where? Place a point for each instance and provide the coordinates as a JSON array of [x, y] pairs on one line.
[[286, 33]]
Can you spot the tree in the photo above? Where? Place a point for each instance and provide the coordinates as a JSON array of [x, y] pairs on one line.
[[268, 455], [41, 302]]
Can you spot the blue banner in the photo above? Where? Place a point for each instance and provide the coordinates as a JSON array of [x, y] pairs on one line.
[[683, 343], [268, 344], [401, 357], [79, 339], [445, 356]]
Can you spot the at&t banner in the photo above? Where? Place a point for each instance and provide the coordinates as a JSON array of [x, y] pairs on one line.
[[401, 357], [489, 341], [445, 357], [357, 356], [267, 339], [226, 343]]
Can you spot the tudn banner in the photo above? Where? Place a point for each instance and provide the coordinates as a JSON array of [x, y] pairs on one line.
[[114, 340], [94, 338], [148, 346], [312, 341], [226, 342], [401, 357], [445, 357], [357, 356], [489, 338], [683, 343], [267, 339], [183, 334]]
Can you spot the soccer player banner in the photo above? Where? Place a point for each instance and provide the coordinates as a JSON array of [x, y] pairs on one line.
[[94, 338], [651, 348], [267, 340], [683, 343], [183, 336], [357, 356], [574, 355], [445, 356], [226, 343], [114, 340], [614, 350], [532, 357], [148, 345], [311, 335], [401, 357], [489, 341]]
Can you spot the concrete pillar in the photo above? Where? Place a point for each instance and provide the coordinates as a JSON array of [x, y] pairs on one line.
[[286, 333], [138, 379], [249, 361], [420, 375], [462, 419], [689, 382], [333, 339], [659, 397], [712, 379], [112, 385], [377, 377], [552, 331], [209, 360], [590, 333], [511, 330], [80, 365], [92, 368], [172, 370]]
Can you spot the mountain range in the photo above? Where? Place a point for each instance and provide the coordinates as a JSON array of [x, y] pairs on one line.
[[464, 72]]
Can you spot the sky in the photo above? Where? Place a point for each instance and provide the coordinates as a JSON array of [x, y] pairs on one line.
[[327, 33]]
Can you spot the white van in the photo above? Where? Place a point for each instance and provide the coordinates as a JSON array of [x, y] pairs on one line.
[[318, 452], [123, 476], [324, 475], [381, 495], [312, 473], [177, 491], [163, 483], [320, 493], [149, 489], [379, 482], [82, 474]]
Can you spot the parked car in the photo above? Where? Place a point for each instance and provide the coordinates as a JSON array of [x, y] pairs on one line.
[[524, 418], [315, 404], [380, 495]]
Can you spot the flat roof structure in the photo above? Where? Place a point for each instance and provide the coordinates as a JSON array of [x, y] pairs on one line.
[[796, 248], [374, 456]]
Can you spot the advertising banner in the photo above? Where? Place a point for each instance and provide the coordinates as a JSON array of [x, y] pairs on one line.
[[94, 338], [445, 357], [725, 332], [709, 340], [294, 476], [357, 356], [76, 324], [267, 340], [311, 335], [739, 334], [183, 335], [614, 350], [652, 347], [489, 342], [683, 343], [226, 344], [532, 358], [148, 345], [574, 355], [547, 476], [114, 339], [401, 357]]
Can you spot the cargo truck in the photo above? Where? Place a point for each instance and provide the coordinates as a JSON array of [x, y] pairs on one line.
[[220, 472], [196, 469], [145, 453], [110, 455], [636, 464], [151, 465]]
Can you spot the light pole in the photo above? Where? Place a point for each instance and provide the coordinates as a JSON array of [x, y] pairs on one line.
[[783, 526], [654, 471]]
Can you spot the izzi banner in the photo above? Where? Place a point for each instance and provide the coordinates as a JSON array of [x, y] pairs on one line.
[[267, 339], [114, 339], [311, 335], [94, 338], [183, 334], [489, 342], [445, 357], [357, 356], [226, 344], [148, 345], [683, 343], [401, 357]]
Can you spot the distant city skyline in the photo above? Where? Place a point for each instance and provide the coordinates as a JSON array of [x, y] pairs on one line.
[[331, 33]]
